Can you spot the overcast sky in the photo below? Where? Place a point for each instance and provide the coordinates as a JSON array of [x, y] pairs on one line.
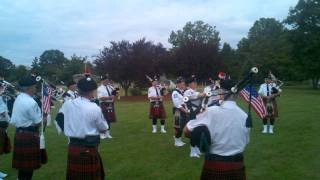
[[28, 27]]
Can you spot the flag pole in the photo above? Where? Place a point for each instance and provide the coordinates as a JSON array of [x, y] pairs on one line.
[[249, 118]]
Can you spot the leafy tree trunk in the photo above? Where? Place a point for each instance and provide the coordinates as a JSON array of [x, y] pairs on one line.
[[315, 81], [125, 85]]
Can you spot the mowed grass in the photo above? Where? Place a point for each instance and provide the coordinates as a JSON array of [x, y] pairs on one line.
[[135, 153]]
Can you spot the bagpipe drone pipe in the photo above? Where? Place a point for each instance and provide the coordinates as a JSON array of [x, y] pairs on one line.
[[201, 135], [9, 93]]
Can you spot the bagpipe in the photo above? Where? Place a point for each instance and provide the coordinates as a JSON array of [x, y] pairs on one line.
[[56, 93], [275, 90], [200, 104], [164, 84], [9, 93]]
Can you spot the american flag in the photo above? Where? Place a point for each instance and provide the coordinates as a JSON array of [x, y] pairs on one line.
[[46, 98], [256, 100]]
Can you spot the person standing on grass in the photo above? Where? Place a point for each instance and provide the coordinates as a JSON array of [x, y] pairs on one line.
[[5, 145], [157, 111], [223, 129], [26, 117], [268, 91], [193, 96], [106, 98], [180, 111], [83, 123], [72, 91]]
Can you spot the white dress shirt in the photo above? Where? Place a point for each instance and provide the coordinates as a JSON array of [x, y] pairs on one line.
[[265, 88], [209, 88], [227, 127], [73, 95], [4, 116], [82, 118], [26, 112], [154, 92], [191, 93], [105, 91], [177, 98]]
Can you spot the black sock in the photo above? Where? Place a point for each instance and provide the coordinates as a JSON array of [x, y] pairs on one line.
[[162, 122], [265, 121], [25, 175], [272, 121], [154, 121], [178, 132]]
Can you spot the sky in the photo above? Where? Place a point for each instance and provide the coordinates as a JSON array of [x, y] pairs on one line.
[[83, 27]]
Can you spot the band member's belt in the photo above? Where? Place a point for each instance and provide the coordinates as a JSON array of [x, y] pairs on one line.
[[91, 141], [4, 124], [234, 158], [33, 129]]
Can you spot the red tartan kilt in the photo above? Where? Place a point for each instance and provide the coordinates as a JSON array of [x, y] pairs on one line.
[[275, 108], [157, 112], [108, 111], [26, 151], [5, 145], [84, 163], [217, 170]]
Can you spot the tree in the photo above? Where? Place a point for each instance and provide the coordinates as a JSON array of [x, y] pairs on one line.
[[116, 60], [20, 71], [6, 67], [304, 24], [195, 32], [35, 67], [266, 47], [231, 61], [51, 63], [73, 66], [128, 63], [196, 50]]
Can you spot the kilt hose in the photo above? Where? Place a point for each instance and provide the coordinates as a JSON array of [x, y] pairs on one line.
[[5, 144], [223, 170], [275, 108], [26, 151], [108, 111], [157, 111], [180, 119], [84, 163]]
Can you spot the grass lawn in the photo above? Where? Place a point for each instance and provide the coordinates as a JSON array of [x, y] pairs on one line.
[[292, 153]]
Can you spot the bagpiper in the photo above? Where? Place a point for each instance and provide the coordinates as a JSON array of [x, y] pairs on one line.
[[106, 94], [26, 117], [194, 96], [72, 91], [83, 122], [5, 145], [223, 129], [180, 111], [269, 92], [157, 111]]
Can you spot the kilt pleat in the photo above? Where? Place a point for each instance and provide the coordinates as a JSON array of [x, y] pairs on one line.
[[216, 170], [108, 111], [84, 163], [157, 111], [26, 151]]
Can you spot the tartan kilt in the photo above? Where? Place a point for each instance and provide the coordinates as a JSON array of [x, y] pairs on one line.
[[108, 111], [274, 109], [26, 151], [84, 163], [157, 111], [219, 170], [5, 144], [180, 119]]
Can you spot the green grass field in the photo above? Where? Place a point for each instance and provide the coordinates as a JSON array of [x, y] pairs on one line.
[[292, 153]]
